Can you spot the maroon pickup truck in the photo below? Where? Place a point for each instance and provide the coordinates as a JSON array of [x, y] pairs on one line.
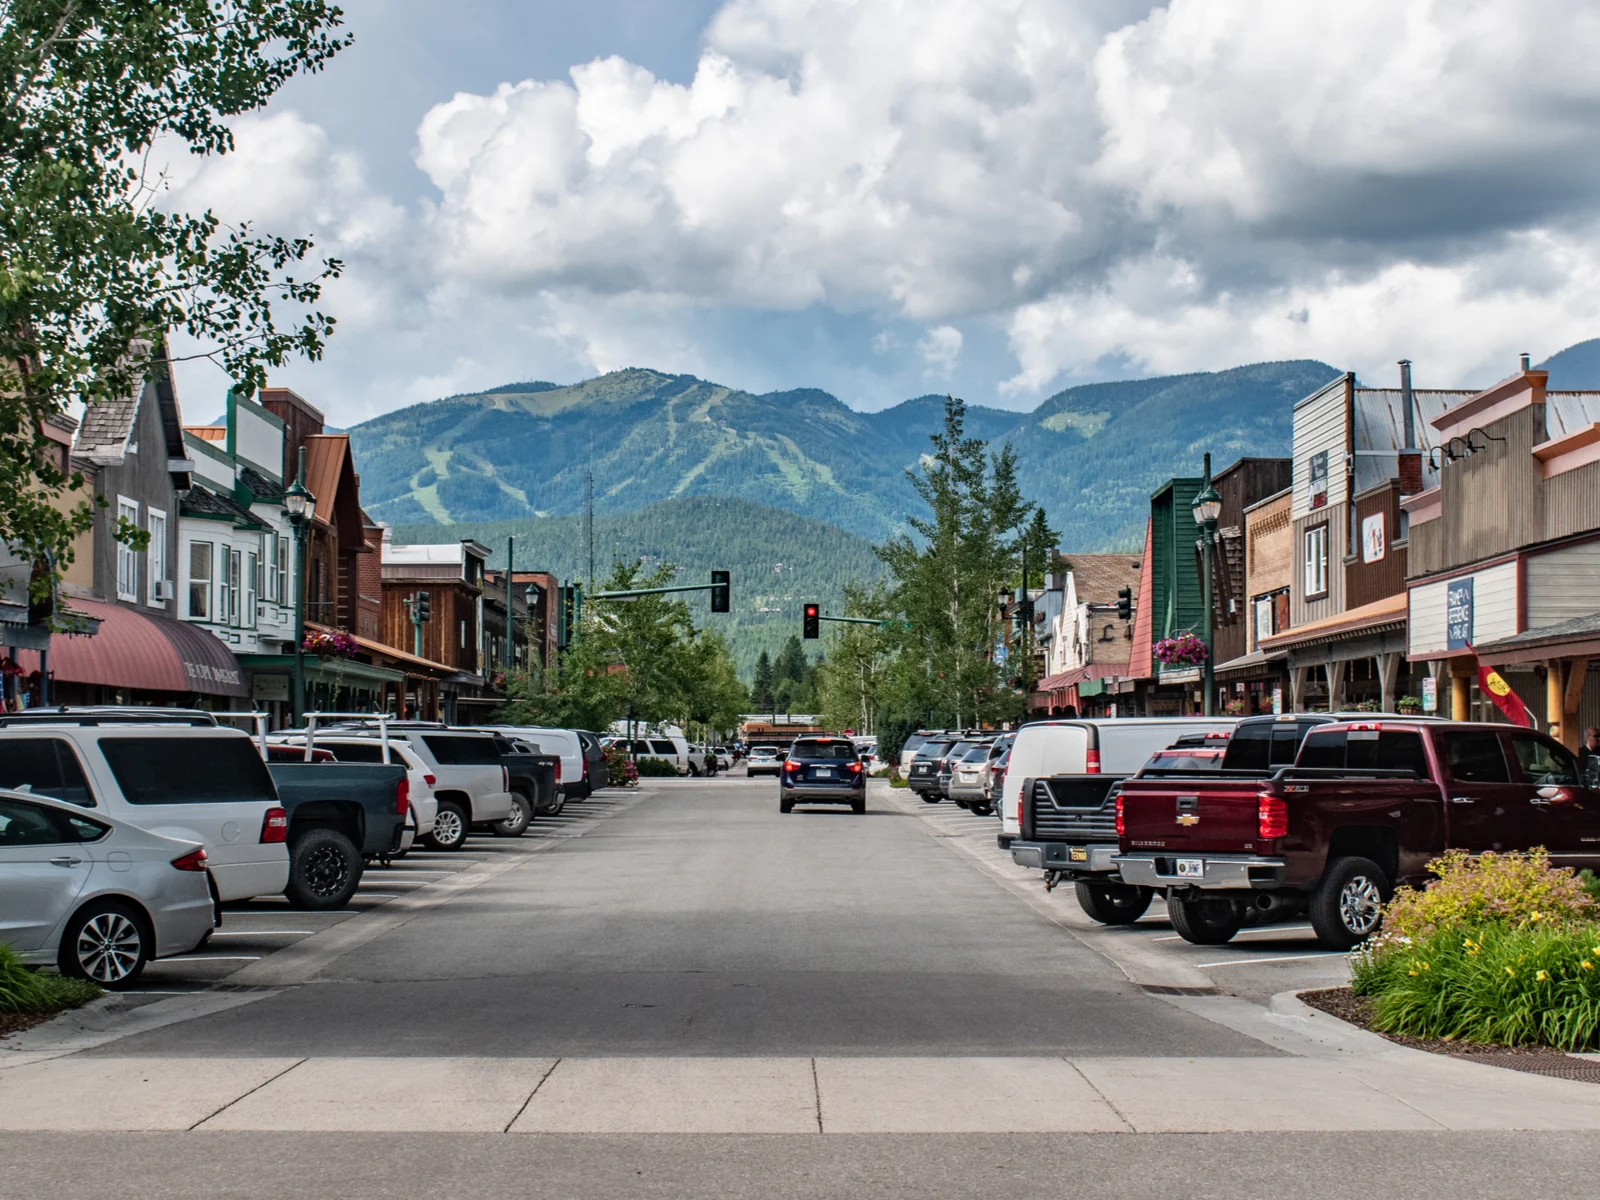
[[1366, 805]]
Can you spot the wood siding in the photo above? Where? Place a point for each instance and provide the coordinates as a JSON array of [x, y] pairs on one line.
[[1301, 610], [1563, 584], [1494, 610], [1364, 581], [1321, 425]]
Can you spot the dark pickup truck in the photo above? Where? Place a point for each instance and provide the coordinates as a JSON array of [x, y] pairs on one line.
[[340, 816], [1069, 822], [1364, 808]]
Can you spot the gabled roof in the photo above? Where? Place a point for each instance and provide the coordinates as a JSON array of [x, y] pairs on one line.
[[262, 488], [203, 502], [106, 428]]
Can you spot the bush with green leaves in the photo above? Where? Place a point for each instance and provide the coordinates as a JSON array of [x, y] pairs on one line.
[[1534, 983], [1490, 889], [24, 990], [656, 768]]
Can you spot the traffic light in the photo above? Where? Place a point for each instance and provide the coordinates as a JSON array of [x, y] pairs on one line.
[[1124, 604], [423, 608], [813, 621], [721, 592], [569, 605]]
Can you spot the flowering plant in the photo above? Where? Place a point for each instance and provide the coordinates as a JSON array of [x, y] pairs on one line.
[[331, 643], [1185, 650]]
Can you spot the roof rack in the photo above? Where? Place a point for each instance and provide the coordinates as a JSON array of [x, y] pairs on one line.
[[109, 714]]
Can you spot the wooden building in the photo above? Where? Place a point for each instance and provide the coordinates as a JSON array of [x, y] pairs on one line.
[[451, 575]]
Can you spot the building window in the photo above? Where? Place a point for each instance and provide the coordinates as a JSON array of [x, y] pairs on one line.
[[252, 569], [156, 562], [1316, 561], [199, 581], [463, 635], [127, 558], [283, 569], [235, 578]]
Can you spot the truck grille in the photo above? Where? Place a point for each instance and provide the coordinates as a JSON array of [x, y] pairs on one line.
[[1079, 826]]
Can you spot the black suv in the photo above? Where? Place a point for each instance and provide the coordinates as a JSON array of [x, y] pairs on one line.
[[822, 770]]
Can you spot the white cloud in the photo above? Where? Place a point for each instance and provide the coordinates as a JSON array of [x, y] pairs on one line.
[[941, 350]]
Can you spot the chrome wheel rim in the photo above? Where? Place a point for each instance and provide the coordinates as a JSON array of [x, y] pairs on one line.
[[108, 947], [326, 871], [1360, 904], [447, 826], [518, 818]]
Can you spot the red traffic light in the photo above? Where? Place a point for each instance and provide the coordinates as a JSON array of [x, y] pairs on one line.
[[811, 625]]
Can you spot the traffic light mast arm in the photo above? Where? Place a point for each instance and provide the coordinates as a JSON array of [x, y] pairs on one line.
[[856, 620], [630, 593]]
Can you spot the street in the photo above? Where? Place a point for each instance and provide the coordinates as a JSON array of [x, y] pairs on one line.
[[674, 992]]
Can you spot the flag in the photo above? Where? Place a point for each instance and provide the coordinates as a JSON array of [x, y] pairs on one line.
[[1493, 685]]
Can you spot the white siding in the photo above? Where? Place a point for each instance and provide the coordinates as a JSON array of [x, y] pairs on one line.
[[1563, 584], [1319, 427], [1494, 610], [258, 439], [211, 465]]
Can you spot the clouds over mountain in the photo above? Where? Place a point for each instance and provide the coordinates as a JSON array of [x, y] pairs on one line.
[[1027, 191]]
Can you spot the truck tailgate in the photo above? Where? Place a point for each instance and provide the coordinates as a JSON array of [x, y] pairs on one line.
[[1194, 814]]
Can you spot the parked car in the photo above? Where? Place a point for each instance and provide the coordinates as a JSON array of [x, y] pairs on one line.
[[424, 805], [567, 746], [995, 774], [596, 774], [822, 770], [171, 773], [923, 776], [96, 896], [908, 751], [764, 760], [1365, 807], [534, 779], [967, 777]]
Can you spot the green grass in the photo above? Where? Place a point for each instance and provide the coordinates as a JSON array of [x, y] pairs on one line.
[[1535, 984], [23, 990]]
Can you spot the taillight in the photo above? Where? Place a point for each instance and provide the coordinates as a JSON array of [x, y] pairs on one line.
[[558, 770], [1272, 816], [1121, 824], [1091, 763], [195, 860], [274, 826], [402, 797], [505, 778], [430, 780], [791, 765], [856, 767]]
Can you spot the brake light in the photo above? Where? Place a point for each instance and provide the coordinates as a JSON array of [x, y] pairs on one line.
[[402, 797], [195, 860], [1091, 763], [1365, 726], [558, 770], [274, 826], [856, 767], [430, 780], [791, 765], [505, 778], [1121, 825], [1272, 816]]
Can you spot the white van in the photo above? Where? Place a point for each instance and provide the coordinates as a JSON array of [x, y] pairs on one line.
[[1113, 746], [564, 744]]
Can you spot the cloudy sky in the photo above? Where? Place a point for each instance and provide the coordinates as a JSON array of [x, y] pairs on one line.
[[890, 197]]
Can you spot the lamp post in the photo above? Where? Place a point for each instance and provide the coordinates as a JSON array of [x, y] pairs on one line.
[[301, 506], [1207, 508]]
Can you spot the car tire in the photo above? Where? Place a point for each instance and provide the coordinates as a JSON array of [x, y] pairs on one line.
[[933, 799], [107, 943], [858, 806], [966, 804], [1347, 906], [521, 817], [450, 826], [1208, 921], [324, 870], [981, 808], [1113, 903], [785, 804]]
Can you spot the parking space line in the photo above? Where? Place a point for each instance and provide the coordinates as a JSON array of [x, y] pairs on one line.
[[259, 932], [213, 958], [1244, 962]]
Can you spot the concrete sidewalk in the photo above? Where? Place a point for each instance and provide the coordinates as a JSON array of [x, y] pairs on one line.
[[1394, 1090]]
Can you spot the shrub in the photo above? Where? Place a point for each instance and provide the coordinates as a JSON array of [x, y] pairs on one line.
[[23, 990], [1533, 983], [1492, 889], [656, 767], [620, 771]]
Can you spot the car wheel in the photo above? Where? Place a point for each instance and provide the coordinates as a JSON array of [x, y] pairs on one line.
[[981, 808], [107, 943], [1113, 903], [1347, 906], [785, 804], [517, 823], [449, 827], [324, 870], [1208, 921], [933, 799], [966, 804], [859, 806]]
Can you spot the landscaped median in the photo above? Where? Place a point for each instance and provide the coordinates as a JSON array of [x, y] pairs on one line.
[[1500, 949], [28, 997]]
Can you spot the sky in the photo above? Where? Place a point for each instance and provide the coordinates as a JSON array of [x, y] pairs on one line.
[[885, 198]]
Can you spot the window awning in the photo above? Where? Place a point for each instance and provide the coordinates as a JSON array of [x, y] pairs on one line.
[[131, 650]]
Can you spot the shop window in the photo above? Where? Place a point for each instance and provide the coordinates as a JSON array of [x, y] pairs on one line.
[[127, 558], [1315, 560]]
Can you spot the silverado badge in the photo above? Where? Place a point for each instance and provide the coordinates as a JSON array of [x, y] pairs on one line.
[[1188, 819]]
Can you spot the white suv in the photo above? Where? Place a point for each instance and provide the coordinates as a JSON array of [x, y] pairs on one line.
[[195, 783], [472, 786]]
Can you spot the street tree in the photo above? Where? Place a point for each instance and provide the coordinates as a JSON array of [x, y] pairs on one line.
[[761, 685], [853, 674]]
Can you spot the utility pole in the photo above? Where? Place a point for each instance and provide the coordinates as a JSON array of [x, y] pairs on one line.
[[511, 655], [588, 514]]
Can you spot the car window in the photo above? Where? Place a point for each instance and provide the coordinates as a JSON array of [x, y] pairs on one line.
[[978, 754], [662, 746], [1285, 744], [188, 770], [1386, 750], [360, 752], [823, 748], [459, 751], [1323, 749], [48, 766], [1475, 756], [1542, 762], [27, 825]]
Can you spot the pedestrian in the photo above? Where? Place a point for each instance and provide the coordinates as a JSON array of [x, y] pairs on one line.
[[1589, 756]]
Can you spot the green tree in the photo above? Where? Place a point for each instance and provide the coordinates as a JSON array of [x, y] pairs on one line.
[[853, 674], [715, 697], [761, 685], [94, 273], [582, 689]]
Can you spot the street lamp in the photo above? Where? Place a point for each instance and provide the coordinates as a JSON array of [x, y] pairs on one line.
[[1207, 508], [301, 506]]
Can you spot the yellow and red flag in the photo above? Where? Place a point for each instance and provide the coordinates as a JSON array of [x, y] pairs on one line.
[[1493, 685]]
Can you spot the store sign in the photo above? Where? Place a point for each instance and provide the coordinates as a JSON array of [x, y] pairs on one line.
[[1277, 698], [1430, 694], [1317, 470], [1263, 619], [1372, 541], [268, 688], [1458, 614]]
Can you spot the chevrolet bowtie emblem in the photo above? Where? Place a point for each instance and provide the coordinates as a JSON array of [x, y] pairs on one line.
[[1188, 819]]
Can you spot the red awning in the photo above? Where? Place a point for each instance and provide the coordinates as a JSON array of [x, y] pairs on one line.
[[131, 650]]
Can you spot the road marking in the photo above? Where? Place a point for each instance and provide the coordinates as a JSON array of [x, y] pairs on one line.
[[259, 932], [1240, 962], [1261, 929], [212, 958]]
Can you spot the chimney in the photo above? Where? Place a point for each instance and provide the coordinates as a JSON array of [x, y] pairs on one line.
[[1527, 362], [1410, 459]]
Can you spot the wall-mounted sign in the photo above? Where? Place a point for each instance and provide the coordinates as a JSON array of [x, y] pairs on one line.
[[1372, 539], [1317, 472], [1277, 698], [1430, 694], [1458, 614]]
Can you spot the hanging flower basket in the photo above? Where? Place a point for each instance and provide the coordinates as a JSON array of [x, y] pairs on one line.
[[329, 644], [1185, 650]]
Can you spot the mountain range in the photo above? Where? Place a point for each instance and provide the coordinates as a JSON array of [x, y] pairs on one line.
[[1091, 455]]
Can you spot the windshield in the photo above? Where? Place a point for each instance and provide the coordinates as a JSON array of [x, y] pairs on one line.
[[933, 749], [809, 748], [977, 754]]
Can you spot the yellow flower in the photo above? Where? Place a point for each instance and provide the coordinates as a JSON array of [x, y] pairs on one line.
[[1537, 916], [1510, 972], [1411, 973], [1542, 976], [1426, 967], [1586, 965]]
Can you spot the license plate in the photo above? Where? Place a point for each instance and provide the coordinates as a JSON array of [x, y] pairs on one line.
[[1191, 868], [1078, 854], [823, 773]]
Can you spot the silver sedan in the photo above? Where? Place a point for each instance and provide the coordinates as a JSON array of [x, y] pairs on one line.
[[97, 897]]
